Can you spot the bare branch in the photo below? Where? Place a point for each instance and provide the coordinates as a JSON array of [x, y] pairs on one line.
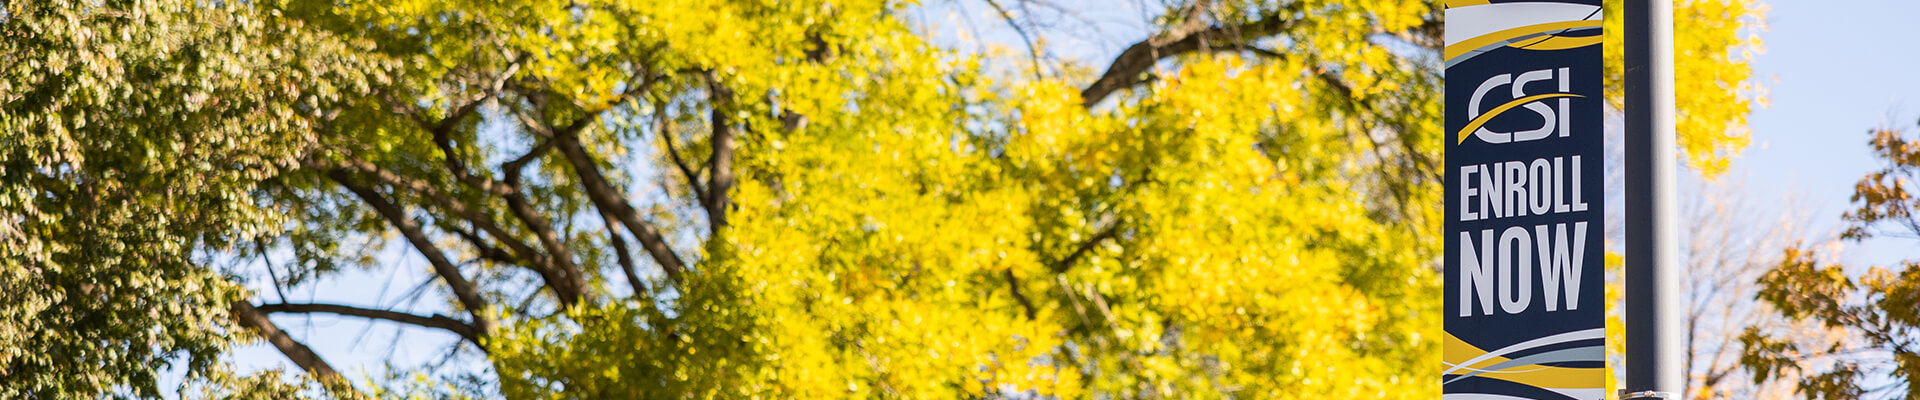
[[479, 219], [626, 259], [611, 201], [554, 269], [268, 262], [513, 167], [436, 321], [300, 354], [463, 290], [1032, 50], [561, 275], [557, 270], [602, 192], [663, 126], [486, 250], [1126, 68]]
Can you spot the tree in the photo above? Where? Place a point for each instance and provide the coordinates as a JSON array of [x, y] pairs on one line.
[[805, 199], [1727, 252], [132, 136], [1871, 316]]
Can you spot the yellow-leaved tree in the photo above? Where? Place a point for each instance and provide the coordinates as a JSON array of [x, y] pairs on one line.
[[807, 199]]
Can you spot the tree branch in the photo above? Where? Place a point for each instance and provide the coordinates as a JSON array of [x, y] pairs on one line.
[[561, 275], [663, 126], [720, 163], [513, 167], [554, 269], [486, 250], [626, 260], [436, 321], [460, 113], [1086, 247], [640, 289], [1033, 52], [463, 290], [557, 267], [268, 262], [479, 219], [1013, 284], [1126, 68], [602, 193], [447, 124], [1416, 163], [599, 190], [301, 355], [558, 270], [610, 201]]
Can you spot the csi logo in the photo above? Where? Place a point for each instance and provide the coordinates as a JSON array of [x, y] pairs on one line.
[[1532, 90]]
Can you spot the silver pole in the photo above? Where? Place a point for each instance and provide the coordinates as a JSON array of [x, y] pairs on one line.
[[1656, 340]]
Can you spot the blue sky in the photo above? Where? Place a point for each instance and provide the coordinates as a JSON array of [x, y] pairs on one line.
[[1829, 71], [1833, 70]]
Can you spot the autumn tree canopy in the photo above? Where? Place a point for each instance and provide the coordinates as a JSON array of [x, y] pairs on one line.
[[745, 199], [1870, 312]]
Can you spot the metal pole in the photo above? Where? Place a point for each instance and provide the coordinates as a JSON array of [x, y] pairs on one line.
[[1656, 340]]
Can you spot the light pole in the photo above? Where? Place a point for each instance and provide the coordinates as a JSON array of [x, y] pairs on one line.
[[1656, 341]]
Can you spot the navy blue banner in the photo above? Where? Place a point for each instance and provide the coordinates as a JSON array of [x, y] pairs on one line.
[[1525, 292]]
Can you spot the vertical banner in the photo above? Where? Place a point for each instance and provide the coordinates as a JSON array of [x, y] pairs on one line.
[[1525, 297]]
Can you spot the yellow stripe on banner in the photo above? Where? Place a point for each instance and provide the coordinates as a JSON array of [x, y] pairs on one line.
[[1556, 42], [1482, 120], [1456, 49], [1464, 3], [1539, 376], [1456, 351]]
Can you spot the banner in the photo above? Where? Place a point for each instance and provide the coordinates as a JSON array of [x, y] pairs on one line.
[[1525, 296]]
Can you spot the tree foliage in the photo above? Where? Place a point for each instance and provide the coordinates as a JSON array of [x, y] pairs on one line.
[[133, 135], [735, 199], [1714, 43], [1873, 316]]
